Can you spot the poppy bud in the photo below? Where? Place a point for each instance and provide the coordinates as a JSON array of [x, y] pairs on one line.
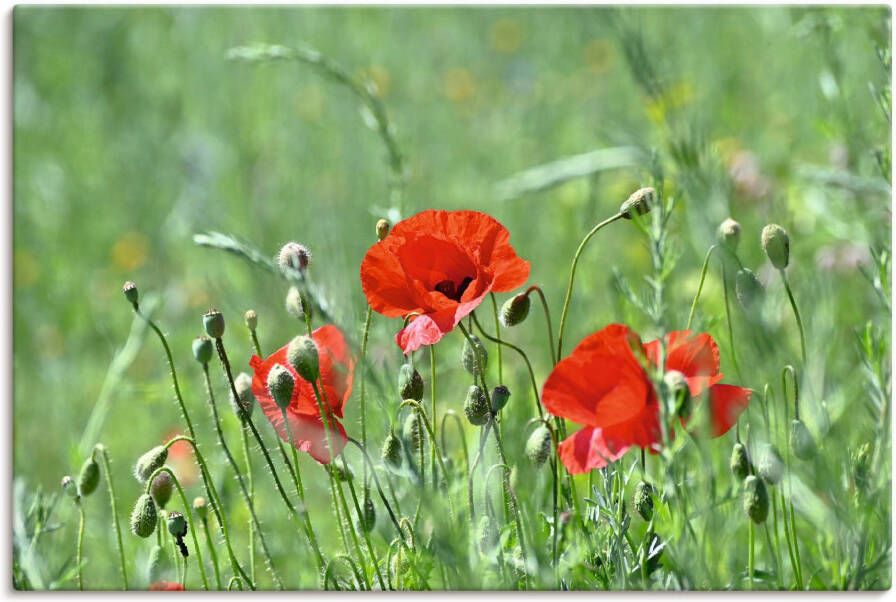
[[341, 471], [302, 355], [251, 319], [144, 517], [293, 303], [639, 202], [476, 406], [776, 244], [177, 524], [679, 393], [413, 431], [157, 565], [69, 487], [538, 446], [382, 229], [131, 293], [203, 348], [769, 464], [748, 289], [861, 463], [293, 257], [161, 489], [367, 519], [487, 535], [515, 310], [410, 383], [281, 385], [391, 452], [213, 323], [801, 442], [471, 350], [740, 463], [755, 499], [729, 234], [244, 402], [644, 500], [200, 507], [149, 462], [500, 397], [89, 477]]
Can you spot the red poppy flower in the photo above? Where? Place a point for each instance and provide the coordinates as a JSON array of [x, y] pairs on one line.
[[438, 266], [166, 586], [602, 385], [336, 374], [181, 459]]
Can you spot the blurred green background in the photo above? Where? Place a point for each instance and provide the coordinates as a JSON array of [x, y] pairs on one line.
[[132, 132]]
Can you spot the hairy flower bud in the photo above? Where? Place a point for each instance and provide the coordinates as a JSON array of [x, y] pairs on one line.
[[538, 445], [161, 489], [748, 289], [213, 323], [500, 397], [639, 202], [244, 402], [643, 501], [251, 319], [144, 516], [281, 385], [413, 431], [203, 349], [293, 257], [801, 442], [89, 477], [382, 229], [755, 499], [177, 524], [200, 507], [149, 462], [70, 487], [515, 310], [293, 303], [769, 465], [740, 463], [470, 352], [776, 244], [410, 383], [303, 356], [476, 406], [679, 393], [367, 519], [729, 234], [391, 452], [131, 293]]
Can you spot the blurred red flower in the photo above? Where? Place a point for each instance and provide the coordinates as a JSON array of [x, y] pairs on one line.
[[603, 385], [166, 586], [336, 374], [438, 266], [181, 459]]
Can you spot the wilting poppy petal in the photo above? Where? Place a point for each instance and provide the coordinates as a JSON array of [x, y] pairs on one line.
[[727, 402]]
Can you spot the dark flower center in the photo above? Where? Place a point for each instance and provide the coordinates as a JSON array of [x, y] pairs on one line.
[[452, 290]]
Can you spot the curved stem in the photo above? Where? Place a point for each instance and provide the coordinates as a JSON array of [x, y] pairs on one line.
[[796, 313], [104, 458], [547, 319], [703, 271], [364, 532], [376, 481], [730, 327], [463, 441], [418, 407], [211, 550], [498, 338], [80, 551]]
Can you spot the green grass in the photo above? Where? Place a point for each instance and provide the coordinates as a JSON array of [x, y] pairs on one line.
[[133, 131]]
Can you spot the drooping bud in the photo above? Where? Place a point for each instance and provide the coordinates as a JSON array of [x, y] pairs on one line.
[[801, 442], [638, 203], [244, 402], [302, 355], [157, 564], [281, 385], [515, 310], [748, 289], [213, 323], [200, 507], [538, 445], [487, 535], [177, 524], [861, 464], [413, 431], [755, 499], [149, 462], [410, 383], [476, 406], [130, 292], [203, 349], [89, 477], [251, 319], [144, 516], [391, 452], [382, 229], [470, 352], [729, 234], [644, 500], [740, 463], [367, 519], [161, 489], [293, 257], [679, 393], [776, 244], [70, 487], [769, 465], [293, 303], [500, 397]]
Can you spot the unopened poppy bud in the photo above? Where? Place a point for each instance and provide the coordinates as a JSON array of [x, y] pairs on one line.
[[130, 292], [500, 397], [487, 535], [801, 442], [476, 406], [149, 462], [200, 507], [157, 565], [293, 257], [177, 524], [748, 289], [244, 402], [769, 465], [382, 229], [679, 393], [861, 463], [144, 516], [281, 385], [391, 452], [644, 500], [302, 355], [413, 431], [341, 471], [740, 463], [89, 477], [515, 309], [638, 203], [470, 352], [776, 244], [69, 487], [203, 348], [367, 519], [213, 323], [410, 383], [293, 303], [538, 445], [251, 319], [755, 499], [161, 489], [729, 234]]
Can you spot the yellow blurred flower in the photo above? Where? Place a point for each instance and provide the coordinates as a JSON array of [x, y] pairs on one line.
[[458, 85], [506, 35], [598, 55], [26, 268], [129, 252]]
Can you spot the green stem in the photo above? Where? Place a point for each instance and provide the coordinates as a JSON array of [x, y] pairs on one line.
[[750, 557], [364, 336], [104, 458], [796, 313], [212, 552], [360, 513], [498, 337], [730, 327], [80, 558], [703, 271], [245, 439], [547, 319], [432, 435]]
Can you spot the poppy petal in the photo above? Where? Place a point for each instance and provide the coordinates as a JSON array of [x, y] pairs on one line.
[[727, 402], [695, 356], [422, 330], [587, 449]]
